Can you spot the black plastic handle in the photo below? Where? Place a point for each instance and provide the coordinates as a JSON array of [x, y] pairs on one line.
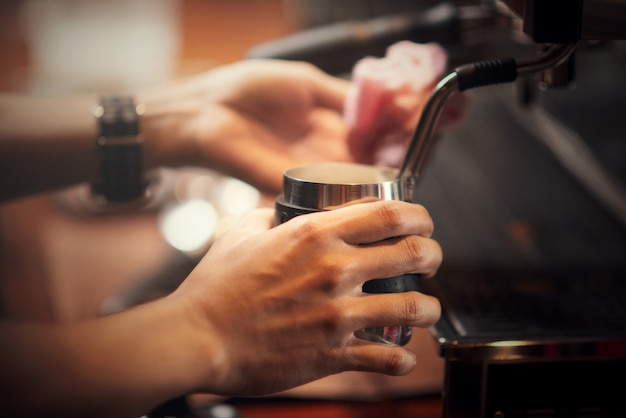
[[485, 73]]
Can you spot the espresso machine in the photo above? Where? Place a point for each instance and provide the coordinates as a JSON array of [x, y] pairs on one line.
[[528, 198]]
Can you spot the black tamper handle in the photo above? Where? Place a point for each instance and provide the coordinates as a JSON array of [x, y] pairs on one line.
[[396, 284]]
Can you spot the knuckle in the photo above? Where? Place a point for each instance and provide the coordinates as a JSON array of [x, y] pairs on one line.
[[423, 210], [332, 274], [438, 259], [308, 229], [332, 268], [332, 319], [416, 250], [428, 226], [423, 310], [413, 309], [394, 362], [390, 213]]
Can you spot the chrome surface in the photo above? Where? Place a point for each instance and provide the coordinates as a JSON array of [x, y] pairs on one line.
[[420, 143], [325, 185]]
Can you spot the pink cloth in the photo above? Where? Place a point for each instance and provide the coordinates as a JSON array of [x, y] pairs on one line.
[[387, 97]]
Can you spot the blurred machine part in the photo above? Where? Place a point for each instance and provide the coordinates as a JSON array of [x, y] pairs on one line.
[[568, 21], [336, 45], [336, 34]]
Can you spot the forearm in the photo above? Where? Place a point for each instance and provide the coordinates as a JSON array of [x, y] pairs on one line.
[[49, 143], [105, 367], [45, 143], [249, 120]]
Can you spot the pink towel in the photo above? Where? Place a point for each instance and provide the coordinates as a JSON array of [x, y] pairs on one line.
[[387, 97]]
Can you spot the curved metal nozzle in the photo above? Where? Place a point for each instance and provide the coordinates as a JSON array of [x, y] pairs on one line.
[[465, 77]]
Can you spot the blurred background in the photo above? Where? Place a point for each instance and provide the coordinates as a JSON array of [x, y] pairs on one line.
[[60, 261], [504, 190]]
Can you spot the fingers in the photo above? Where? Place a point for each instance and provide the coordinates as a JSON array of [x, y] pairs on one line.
[[377, 221], [395, 256], [376, 240], [379, 358], [412, 309], [408, 309], [401, 255]]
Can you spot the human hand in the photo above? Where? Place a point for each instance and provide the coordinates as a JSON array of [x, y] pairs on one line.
[[250, 120], [278, 307]]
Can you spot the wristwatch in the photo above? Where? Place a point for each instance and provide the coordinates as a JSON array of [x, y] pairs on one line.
[[120, 177]]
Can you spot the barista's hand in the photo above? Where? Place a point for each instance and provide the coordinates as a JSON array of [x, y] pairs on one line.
[[277, 307], [251, 120]]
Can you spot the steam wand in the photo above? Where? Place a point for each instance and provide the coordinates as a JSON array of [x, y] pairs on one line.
[[477, 74]]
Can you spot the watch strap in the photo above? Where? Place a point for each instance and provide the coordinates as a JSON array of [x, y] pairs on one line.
[[120, 176]]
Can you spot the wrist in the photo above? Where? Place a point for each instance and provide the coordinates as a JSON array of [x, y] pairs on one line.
[[62, 130], [202, 363], [167, 125]]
